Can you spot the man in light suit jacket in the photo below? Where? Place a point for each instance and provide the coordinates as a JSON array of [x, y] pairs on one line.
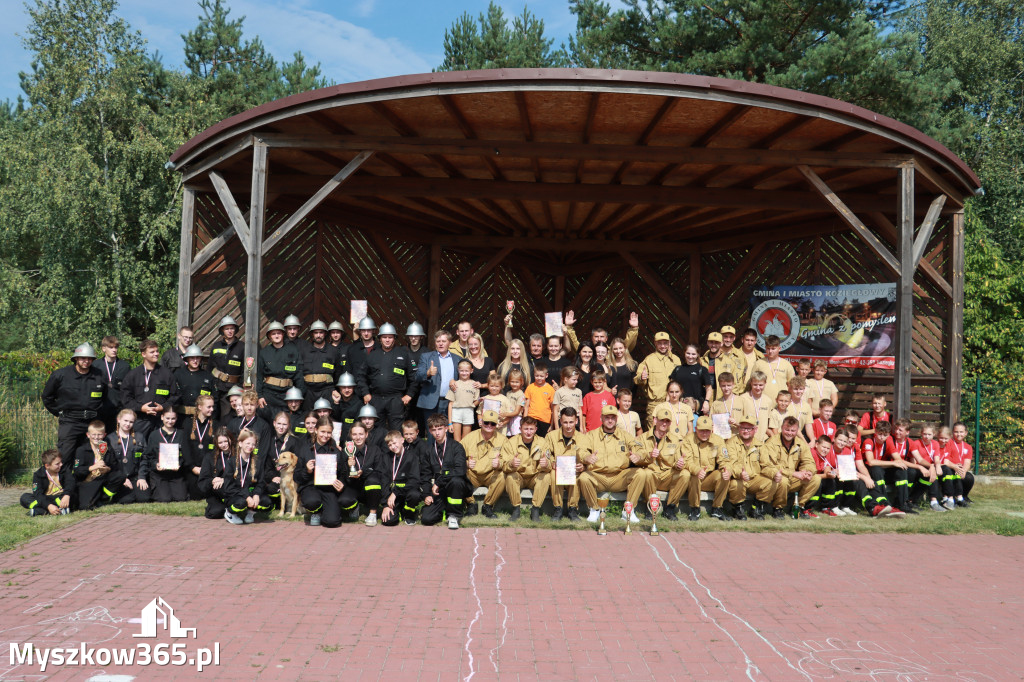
[[435, 371]]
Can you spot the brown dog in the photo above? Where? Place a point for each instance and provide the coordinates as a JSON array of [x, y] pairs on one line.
[[286, 463]]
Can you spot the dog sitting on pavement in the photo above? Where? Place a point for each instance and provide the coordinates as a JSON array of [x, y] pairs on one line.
[[286, 463]]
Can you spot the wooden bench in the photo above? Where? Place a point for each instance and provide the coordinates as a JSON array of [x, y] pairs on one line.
[[504, 505]]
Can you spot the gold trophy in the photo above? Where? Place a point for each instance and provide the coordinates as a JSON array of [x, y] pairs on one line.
[[627, 509], [509, 307], [654, 504], [350, 450], [249, 362], [602, 504]]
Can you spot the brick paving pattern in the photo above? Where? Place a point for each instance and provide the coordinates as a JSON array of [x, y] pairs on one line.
[[288, 602]]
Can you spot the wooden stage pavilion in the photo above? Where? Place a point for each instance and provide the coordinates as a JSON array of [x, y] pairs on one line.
[[439, 196]]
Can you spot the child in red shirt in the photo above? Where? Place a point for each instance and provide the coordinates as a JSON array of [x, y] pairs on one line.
[[957, 479], [598, 397], [901, 474], [822, 424], [869, 421], [927, 455]]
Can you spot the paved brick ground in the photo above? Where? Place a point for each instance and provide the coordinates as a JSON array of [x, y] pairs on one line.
[[287, 602]]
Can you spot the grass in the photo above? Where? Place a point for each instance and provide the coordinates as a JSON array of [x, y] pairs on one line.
[[998, 510]]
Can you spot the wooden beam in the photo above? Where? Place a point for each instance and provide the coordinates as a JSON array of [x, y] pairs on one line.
[[559, 292], [254, 278], [904, 294], [476, 277], [801, 230], [924, 266], [656, 283], [211, 249], [938, 182], [435, 287], [400, 273], [725, 289], [859, 228], [533, 290], [319, 273], [693, 328], [593, 283], [191, 172], [315, 200], [955, 360], [590, 152], [924, 232], [188, 223], [231, 208], [579, 245]]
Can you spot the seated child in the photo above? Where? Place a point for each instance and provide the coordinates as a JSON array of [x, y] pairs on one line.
[[97, 471], [52, 489], [400, 474]]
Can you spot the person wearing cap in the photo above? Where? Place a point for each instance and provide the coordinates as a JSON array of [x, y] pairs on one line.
[[654, 371], [75, 395], [745, 456], [320, 364], [598, 334], [192, 383], [345, 405], [174, 357], [786, 460], [278, 368], [294, 402], [114, 369], [710, 469], [566, 441], [150, 389], [750, 355], [718, 361], [385, 380], [415, 337], [336, 337], [527, 461], [483, 463], [359, 351], [234, 401], [375, 433], [614, 461], [668, 464], [292, 326], [227, 358]]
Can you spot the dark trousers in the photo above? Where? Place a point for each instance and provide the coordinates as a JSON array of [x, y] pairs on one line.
[[101, 490], [71, 435], [132, 495], [328, 503], [368, 491], [275, 398], [897, 482], [28, 501], [145, 424], [542, 428], [953, 485], [828, 495], [390, 410], [169, 486], [450, 501], [405, 508]]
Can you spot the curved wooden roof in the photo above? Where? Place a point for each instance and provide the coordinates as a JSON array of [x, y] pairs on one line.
[[576, 153]]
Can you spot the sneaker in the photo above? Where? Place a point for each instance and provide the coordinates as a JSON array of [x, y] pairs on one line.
[[717, 513], [807, 514], [233, 518], [778, 513], [967, 501], [911, 510], [595, 516], [516, 512], [670, 512], [949, 503], [64, 511], [34, 511], [410, 522], [488, 511], [849, 512], [453, 523], [371, 519], [694, 515], [937, 507], [574, 514], [895, 513], [961, 503], [559, 512], [250, 516], [632, 517], [832, 512], [314, 519]]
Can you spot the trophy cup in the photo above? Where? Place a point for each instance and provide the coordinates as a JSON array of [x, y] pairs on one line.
[[627, 509], [654, 504], [249, 362], [509, 307], [602, 504], [350, 450]]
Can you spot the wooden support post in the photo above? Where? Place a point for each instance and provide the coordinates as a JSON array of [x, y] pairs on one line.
[[435, 288], [559, 293], [188, 223], [318, 281], [254, 279], [693, 330], [904, 292], [955, 361], [924, 233], [231, 208]]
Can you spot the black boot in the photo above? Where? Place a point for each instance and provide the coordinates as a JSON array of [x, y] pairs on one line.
[[756, 511], [738, 513], [471, 509], [488, 511], [516, 511], [670, 512], [559, 511], [717, 513], [574, 514], [535, 514]]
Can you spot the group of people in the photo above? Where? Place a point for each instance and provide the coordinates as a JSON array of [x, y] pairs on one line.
[[410, 433]]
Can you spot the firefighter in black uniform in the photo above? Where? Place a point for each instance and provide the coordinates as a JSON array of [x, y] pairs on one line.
[[130, 451], [75, 395], [227, 355], [324, 503], [443, 483], [386, 380], [279, 368], [292, 326], [98, 472], [199, 441], [53, 488], [400, 474], [192, 383], [415, 336], [149, 389], [345, 404], [174, 357], [366, 460], [114, 369], [296, 415], [357, 353], [319, 364], [336, 337]]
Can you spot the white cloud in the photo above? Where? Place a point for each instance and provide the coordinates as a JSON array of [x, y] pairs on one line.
[[364, 8]]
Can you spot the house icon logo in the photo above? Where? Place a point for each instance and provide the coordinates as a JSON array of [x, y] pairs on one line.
[[159, 612]]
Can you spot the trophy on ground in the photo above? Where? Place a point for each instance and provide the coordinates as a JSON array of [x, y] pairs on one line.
[[602, 504], [654, 504], [627, 509], [350, 450]]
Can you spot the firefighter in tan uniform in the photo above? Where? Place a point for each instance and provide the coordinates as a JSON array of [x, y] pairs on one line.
[[777, 370], [749, 353], [654, 371], [723, 362], [745, 456], [786, 459], [526, 461], [709, 467], [667, 462], [729, 347], [483, 462], [566, 442], [614, 461]]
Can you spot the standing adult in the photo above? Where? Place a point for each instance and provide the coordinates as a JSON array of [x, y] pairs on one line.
[[718, 361], [193, 381], [622, 367], [336, 337], [150, 389], [292, 327], [653, 373], [174, 358], [320, 365], [694, 379], [585, 363], [114, 369], [750, 355], [75, 395], [362, 347], [226, 357], [436, 371], [516, 358], [598, 334], [464, 331], [278, 369], [386, 378], [482, 365]]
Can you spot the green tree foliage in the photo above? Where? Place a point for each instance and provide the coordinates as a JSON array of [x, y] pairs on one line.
[[492, 43]]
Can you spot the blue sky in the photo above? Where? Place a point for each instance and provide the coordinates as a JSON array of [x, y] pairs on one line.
[[352, 39]]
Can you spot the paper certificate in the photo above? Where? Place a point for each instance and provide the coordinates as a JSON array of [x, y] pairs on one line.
[[553, 324], [565, 470], [847, 467], [336, 432], [326, 470], [169, 460], [357, 312], [721, 426], [492, 404]]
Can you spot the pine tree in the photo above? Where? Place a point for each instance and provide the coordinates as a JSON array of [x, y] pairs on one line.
[[494, 44]]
